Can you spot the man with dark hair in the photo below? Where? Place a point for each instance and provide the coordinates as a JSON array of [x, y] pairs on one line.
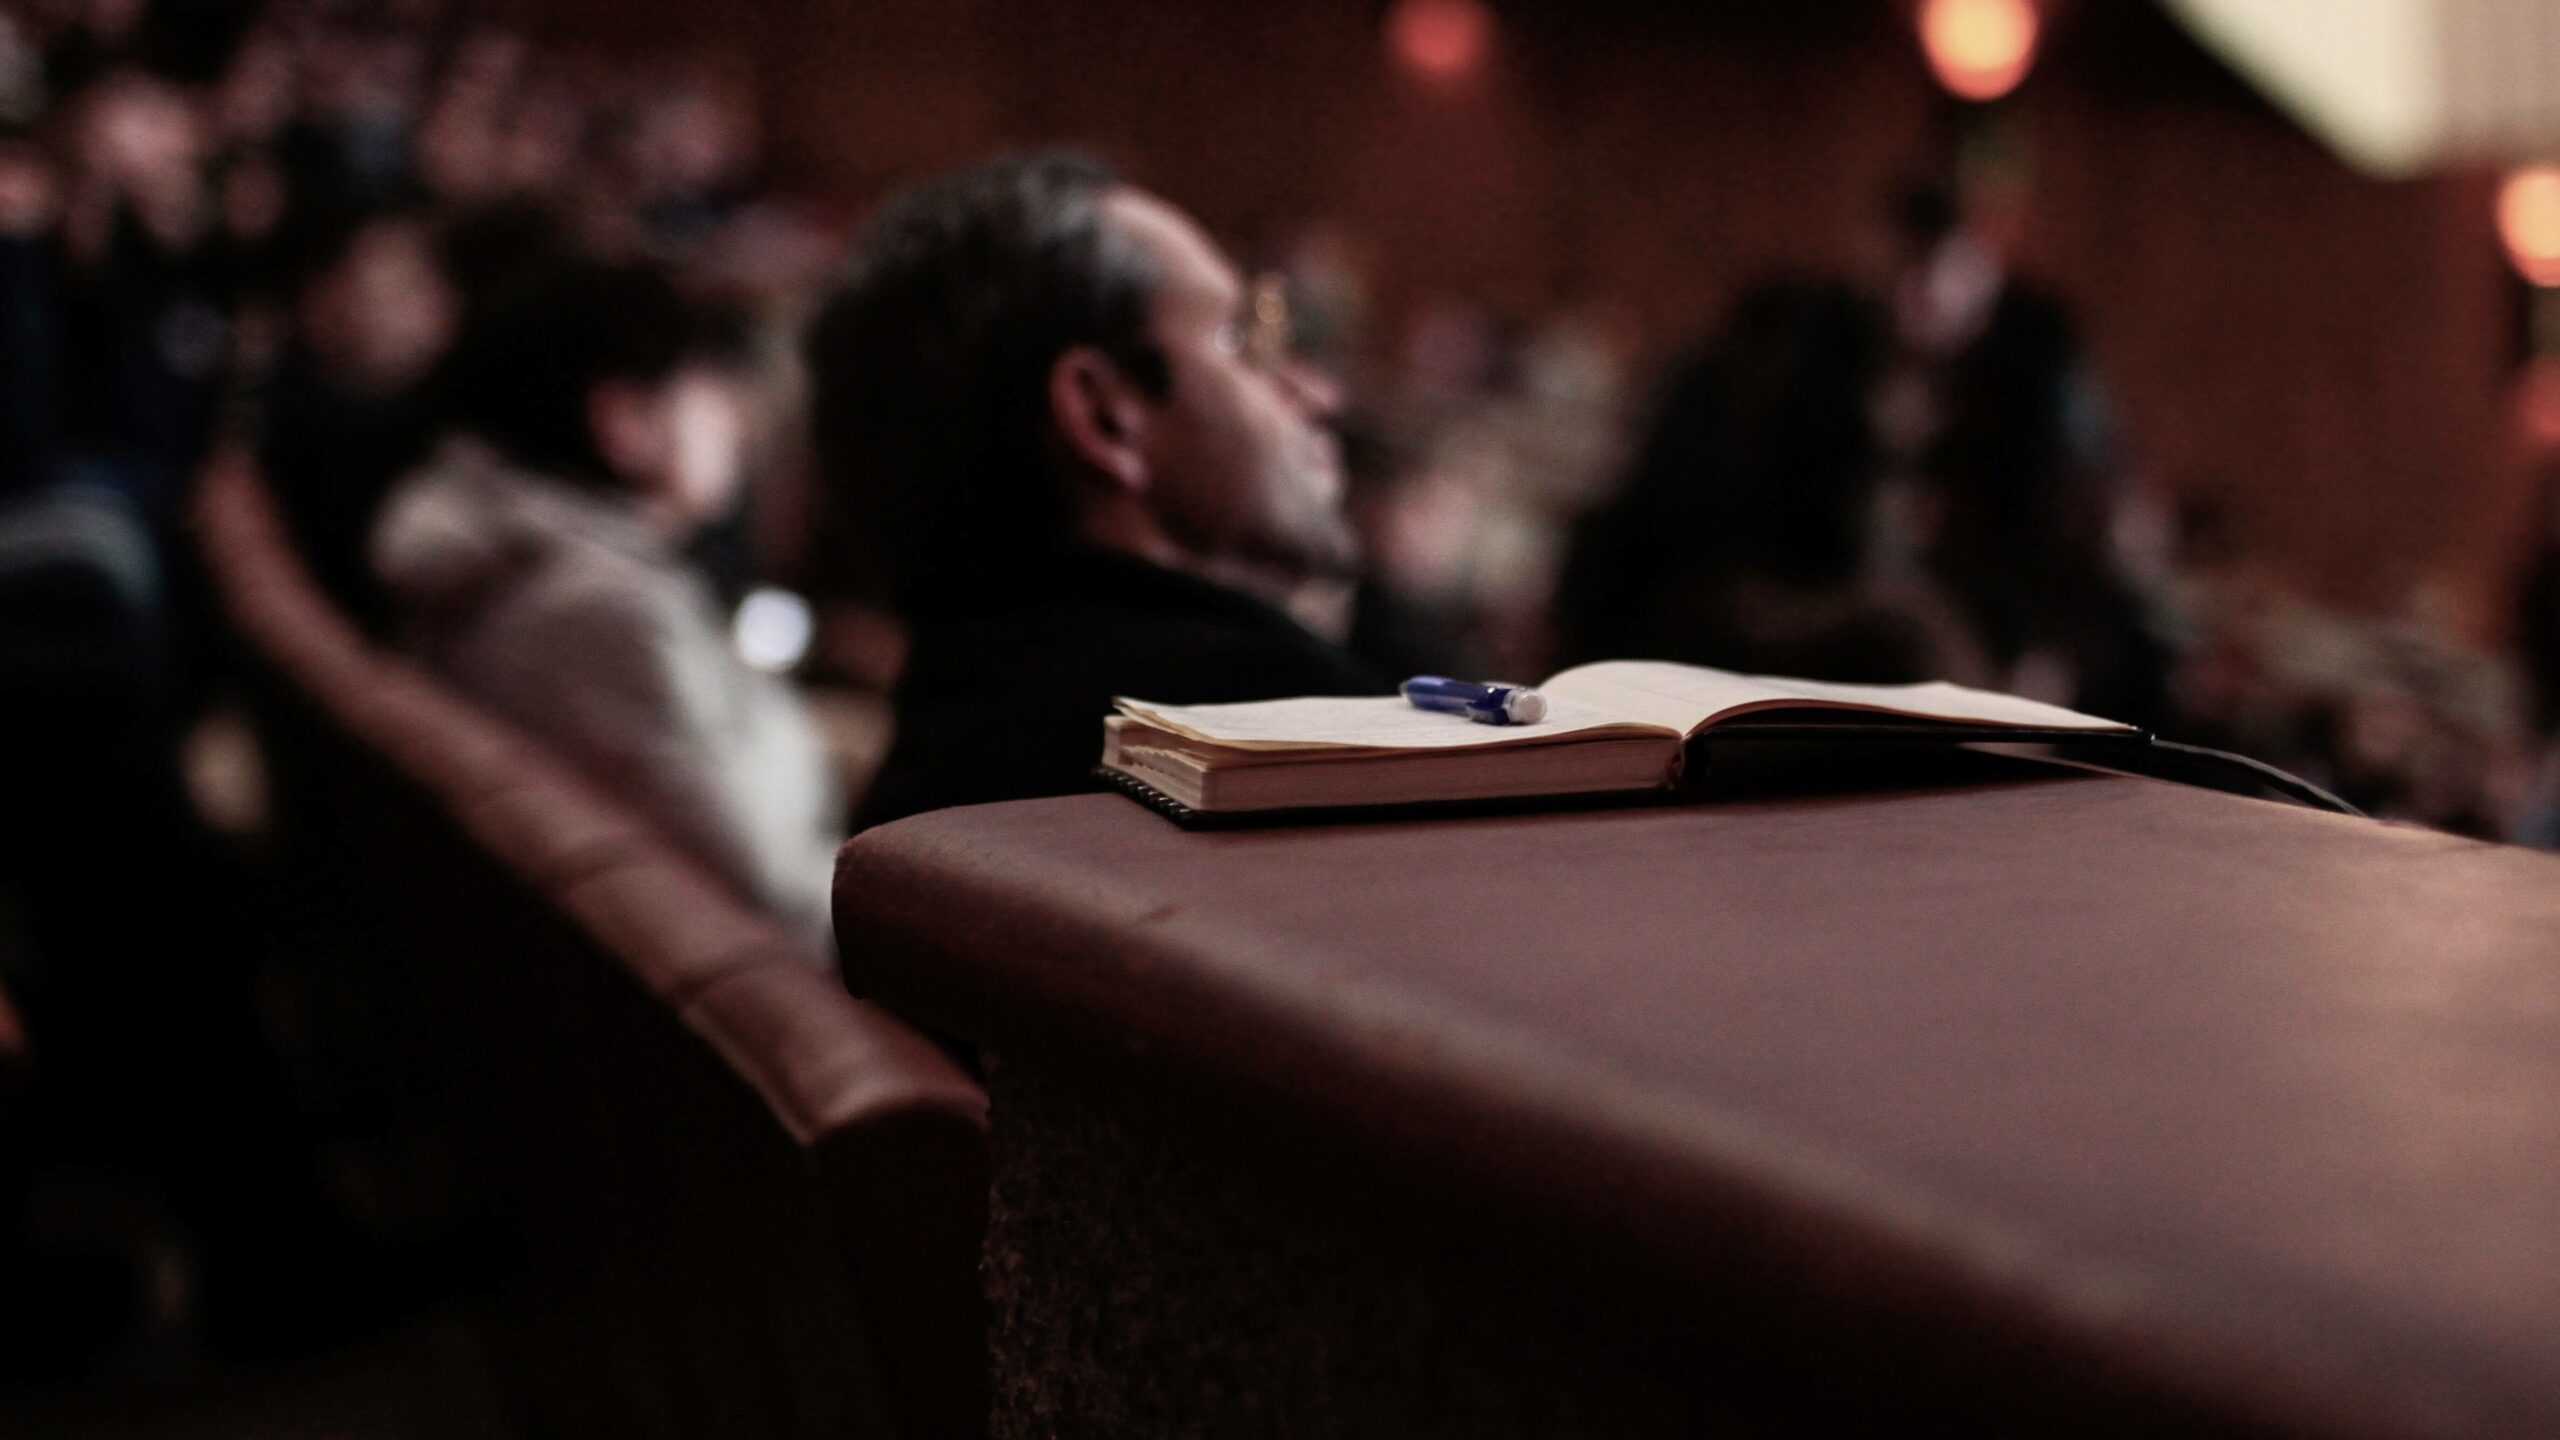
[[1076, 444], [2000, 417], [536, 564], [348, 410]]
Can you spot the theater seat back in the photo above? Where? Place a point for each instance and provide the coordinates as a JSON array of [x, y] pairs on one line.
[[741, 1201]]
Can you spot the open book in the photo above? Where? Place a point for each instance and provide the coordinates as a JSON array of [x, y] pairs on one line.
[[1617, 726]]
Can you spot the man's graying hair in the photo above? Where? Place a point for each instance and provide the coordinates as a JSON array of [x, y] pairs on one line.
[[930, 361]]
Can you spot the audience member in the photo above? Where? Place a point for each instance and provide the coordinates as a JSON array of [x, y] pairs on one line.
[[31, 342], [1994, 408], [147, 290], [2537, 626], [535, 563], [1090, 464], [1745, 536], [349, 410]]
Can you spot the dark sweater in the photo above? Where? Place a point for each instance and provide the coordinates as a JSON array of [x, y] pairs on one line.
[[1007, 682]]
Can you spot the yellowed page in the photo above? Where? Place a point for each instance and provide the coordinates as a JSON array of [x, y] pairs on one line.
[[1380, 722], [1685, 698]]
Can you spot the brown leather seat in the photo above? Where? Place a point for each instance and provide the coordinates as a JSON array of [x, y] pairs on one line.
[[749, 1203]]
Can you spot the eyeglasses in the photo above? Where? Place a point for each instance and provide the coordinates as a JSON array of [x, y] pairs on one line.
[[1260, 335]]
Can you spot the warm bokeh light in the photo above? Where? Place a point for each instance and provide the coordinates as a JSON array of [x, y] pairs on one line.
[[2529, 222], [1440, 39], [1980, 49]]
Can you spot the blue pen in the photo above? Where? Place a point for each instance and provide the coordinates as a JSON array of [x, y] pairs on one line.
[[1484, 704]]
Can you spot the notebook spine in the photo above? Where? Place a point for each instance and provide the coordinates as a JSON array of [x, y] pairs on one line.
[[1149, 796]]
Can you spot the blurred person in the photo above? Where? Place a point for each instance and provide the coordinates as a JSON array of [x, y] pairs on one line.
[[459, 133], [2398, 713], [251, 200], [260, 89], [543, 138], [351, 147], [147, 291], [80, 575], [1745, 534], [90, 37], [1994, 408], [2537, 630], [501, 130], [1076, 444], [535, 563], [112, 342], [1329, 291], [22, 77], [689, 148], [118, 296], [115, 297], [30, 313], [251, 203], [1409, 615], [349, 410], [1537, 447]]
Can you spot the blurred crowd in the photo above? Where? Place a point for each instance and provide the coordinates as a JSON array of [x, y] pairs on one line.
[[264, 226]]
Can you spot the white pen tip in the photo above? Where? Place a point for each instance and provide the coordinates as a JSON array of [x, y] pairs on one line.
[[1525, 707]]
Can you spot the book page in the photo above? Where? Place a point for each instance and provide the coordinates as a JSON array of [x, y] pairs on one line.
[[1687, 698], [1365, 722]]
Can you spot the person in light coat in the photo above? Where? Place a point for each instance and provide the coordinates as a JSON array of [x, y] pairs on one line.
[[535, 563]]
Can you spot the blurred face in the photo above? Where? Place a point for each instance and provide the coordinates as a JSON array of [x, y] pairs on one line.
[[257, 95], [27, 188], [707, 442], [681, 443], [1240, 466], [689, 140], [389, 309], [143, 135]]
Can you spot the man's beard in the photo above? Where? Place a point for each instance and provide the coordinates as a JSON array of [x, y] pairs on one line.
[[1320, 551]]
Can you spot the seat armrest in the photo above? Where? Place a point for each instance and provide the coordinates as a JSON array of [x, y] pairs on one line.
[[897, 1134]]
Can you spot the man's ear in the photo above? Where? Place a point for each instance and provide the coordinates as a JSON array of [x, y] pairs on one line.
[[1101, 416]]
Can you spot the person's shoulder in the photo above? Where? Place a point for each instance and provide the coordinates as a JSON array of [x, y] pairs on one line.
[[433, 536], [1180, 649], [605, 597], [422, 491]]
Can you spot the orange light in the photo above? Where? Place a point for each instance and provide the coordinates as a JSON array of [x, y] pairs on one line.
[[1980, 49], [1440, 39], [2529, 221]]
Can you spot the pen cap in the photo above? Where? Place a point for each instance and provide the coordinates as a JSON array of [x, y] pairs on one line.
[[1524, 707]]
